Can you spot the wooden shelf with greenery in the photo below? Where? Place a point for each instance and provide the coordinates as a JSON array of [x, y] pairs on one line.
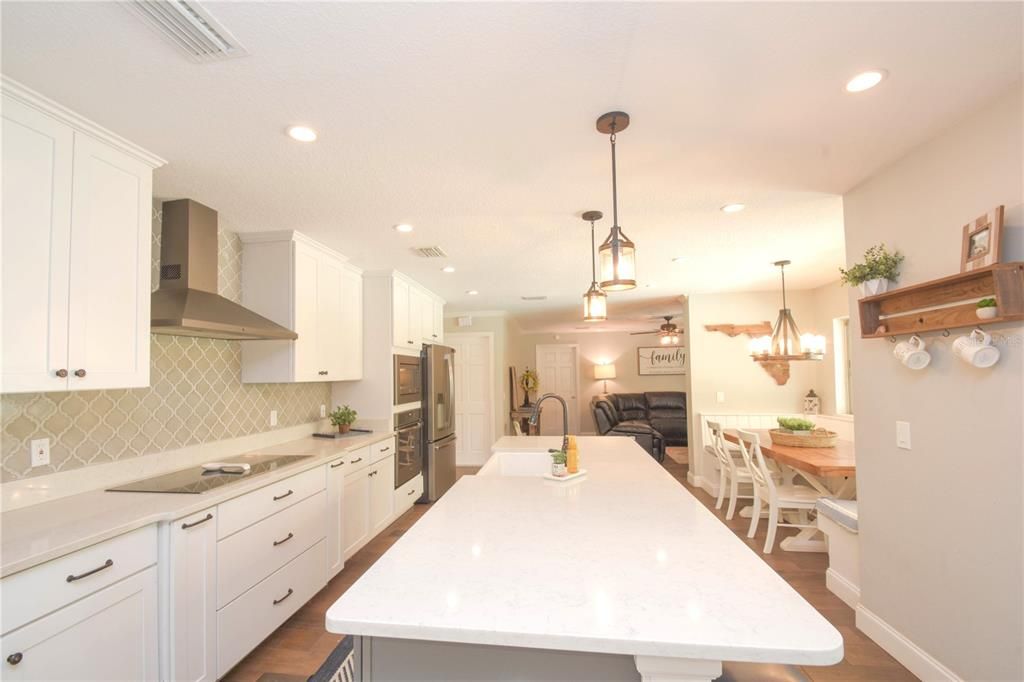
[[945, 303]]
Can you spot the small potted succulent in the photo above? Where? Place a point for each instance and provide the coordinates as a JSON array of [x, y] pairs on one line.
[[873, 275], [343, 417], [796, 425], [987, 309], [558, 463]]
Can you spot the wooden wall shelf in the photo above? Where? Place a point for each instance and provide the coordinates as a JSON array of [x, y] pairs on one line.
[[945, 303]]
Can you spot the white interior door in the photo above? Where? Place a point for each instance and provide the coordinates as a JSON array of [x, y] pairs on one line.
[[474, 397], [558, 372]]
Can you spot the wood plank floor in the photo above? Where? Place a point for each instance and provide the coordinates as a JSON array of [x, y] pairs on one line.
[[298, 647]]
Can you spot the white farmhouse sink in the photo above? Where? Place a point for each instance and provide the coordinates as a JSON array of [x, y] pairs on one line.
[[517, 464]]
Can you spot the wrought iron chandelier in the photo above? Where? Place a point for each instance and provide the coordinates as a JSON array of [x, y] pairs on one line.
[[786, 342], [617, 253], [595, 301]]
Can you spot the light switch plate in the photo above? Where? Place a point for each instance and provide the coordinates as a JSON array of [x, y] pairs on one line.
[[720, 396], [903, 435], [273, 417], [40, 449]]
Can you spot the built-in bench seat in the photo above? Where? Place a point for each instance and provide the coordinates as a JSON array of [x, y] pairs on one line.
[[837, 519]]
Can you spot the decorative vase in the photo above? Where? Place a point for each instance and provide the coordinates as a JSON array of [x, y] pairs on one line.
[[987, 313], [558, 469], [343, 428], [873, 287], [526, 399]]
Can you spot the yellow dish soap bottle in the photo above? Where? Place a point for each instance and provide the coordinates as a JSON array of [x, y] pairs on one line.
[[572, 457]]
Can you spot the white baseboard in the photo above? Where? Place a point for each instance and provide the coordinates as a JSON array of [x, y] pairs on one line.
[[911, 656], [842, 588]]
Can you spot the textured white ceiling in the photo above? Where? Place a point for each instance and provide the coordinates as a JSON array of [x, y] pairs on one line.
[[475, 123]]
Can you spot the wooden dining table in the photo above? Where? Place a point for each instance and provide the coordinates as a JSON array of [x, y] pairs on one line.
[[830, 471]]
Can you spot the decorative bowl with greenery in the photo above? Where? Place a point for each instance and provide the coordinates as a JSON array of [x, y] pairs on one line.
[[880, 267], [987, 309], [558, 463], [343, 417], [529, 383], [796, 425]]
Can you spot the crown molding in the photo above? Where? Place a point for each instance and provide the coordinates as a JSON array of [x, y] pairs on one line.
[[290, 236], [15, 90]]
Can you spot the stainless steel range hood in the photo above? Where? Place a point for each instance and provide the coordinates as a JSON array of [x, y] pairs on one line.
[[187, 303]]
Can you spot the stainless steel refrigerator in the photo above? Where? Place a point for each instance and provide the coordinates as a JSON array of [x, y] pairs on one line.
[[438, 368]]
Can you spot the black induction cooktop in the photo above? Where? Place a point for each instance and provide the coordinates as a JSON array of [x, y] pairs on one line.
[[194, 480]]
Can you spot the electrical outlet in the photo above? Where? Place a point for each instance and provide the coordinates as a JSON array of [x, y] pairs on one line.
[[323, 411], [903, 435], [273, 417], [720, 396], [40, 449]]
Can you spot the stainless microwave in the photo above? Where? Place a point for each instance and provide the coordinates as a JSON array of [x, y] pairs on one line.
[[408, 379]]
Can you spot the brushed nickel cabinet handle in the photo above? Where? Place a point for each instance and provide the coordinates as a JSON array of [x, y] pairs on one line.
[[411, 492], [357, 459], [15, 658], [385, 448], [186, 526], [281, 497], [372, 473], [287, 594], [62, 373], [106, 564], [281, 542], [79, 373], [335, 466]]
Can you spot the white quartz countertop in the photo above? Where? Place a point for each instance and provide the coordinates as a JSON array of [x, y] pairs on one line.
[[624, 561], [32, 535]]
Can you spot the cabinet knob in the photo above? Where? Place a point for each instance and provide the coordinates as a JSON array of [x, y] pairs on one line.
[[409, 342], [15, 658], [79, 373], [62, 373], [434, 336]]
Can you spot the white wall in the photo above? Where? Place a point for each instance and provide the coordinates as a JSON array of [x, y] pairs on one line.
[[941, 525]]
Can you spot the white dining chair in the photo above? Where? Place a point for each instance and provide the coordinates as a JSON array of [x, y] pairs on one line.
[[730, 471], [800, 498]]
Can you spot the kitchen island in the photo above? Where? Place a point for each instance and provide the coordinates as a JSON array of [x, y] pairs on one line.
[[619, 575]]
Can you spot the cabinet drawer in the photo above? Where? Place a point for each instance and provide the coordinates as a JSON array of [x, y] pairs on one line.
[[379, 451], [246, 622], [357, 459], [246, 510], [407, 495], [252, 554], [39, 590]]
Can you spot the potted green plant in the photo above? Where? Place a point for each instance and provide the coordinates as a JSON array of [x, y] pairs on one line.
[[558, 463], [343, 417], [797, 425], [880, 267], [987, 309], [529, 383]]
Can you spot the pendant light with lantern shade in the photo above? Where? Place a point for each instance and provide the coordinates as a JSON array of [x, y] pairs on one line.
[[786, 342], [617, 253], [595, 301]]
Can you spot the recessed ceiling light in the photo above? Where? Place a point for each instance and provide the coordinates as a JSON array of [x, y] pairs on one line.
[[472, 292], [403, 227], [302, 133], [733, 208], [865, 81], [448, 268]]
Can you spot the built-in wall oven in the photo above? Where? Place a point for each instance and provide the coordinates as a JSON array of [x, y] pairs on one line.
[[408, 379], [409, 454]]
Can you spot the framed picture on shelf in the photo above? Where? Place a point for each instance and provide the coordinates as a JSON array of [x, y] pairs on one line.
[[657, 360], [981, 240]]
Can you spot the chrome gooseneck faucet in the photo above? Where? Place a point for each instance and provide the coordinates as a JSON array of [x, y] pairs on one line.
[[535, 417]]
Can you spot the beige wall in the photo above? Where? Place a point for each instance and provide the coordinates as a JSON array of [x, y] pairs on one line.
[[941, 525], [195, 396], [498, 325], [597, 348], [828, 302]]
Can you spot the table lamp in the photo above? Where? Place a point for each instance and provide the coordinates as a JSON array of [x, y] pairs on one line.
[[605, 372]]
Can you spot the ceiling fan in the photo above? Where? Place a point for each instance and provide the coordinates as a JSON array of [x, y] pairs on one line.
[[668, 332]]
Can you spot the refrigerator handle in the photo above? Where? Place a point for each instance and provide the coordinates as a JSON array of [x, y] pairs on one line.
[[451, 389]]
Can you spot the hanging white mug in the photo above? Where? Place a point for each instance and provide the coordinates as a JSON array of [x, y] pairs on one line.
[[976, 349], [912, 353]]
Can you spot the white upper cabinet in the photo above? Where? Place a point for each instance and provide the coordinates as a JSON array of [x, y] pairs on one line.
[[77, 204], [416, 314], [301, 284]]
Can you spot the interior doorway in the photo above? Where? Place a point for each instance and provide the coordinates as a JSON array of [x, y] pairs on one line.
[[474, 396], [558, 370]]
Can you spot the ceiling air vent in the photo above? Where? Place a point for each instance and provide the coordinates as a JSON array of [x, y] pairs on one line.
[[534, 298], [188, 27], [430, 251]]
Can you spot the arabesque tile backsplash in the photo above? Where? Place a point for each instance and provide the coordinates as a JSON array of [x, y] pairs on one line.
[[195, 396]]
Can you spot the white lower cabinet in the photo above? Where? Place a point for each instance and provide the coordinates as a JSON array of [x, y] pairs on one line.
[[382, 494], [247, 621], [356, 511], [335, 516], [192, 598], [109, 635], [406, 496]]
